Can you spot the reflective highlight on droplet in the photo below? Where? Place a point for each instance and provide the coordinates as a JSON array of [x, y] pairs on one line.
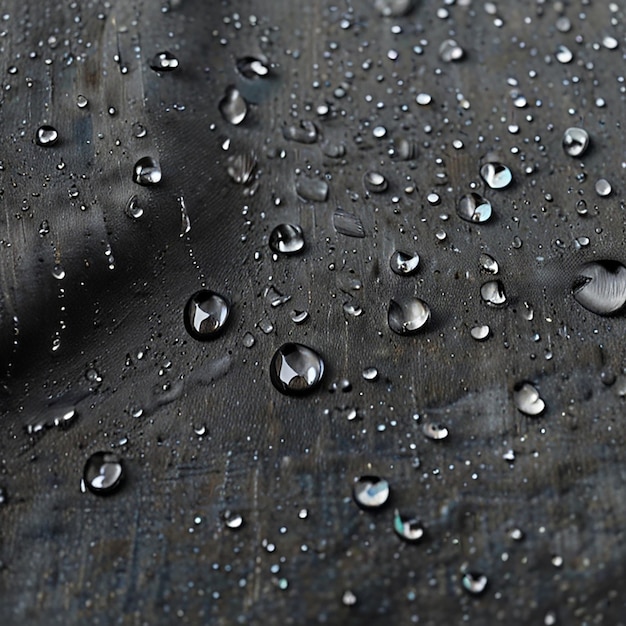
[[206, 314], [147, 171], [103, 473], [473, 207], [406, 316], [287, 239], [296, 369], [371, 492]]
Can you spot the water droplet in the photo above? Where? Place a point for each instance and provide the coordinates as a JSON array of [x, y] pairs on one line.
[[371, 492], [47, 135], [312, 189], [275, 297], [139, 130], [480, 333], [492, 292], [563, 54], [348, 224], [527, 400], [406, 316], [436, 432], [488, 263], [348, 598], [147, 171], [248, 340], [473, 207], [299, 317], [610, 43], [474, 582], [241, 168], [409, 528], [287, 239], [603, 187], [496, 175], [303, 132], [575, 141], [370, 374], [404, 263], [601, 287], [449, 50], [58, 272], [206, 314], [133, 209], [375, 182], [164, 62], [234, 521], [233, 106], [65, 417], [103, 473], [423, 99], [251, 67], [81, 101], [393, 8], [296, 369]]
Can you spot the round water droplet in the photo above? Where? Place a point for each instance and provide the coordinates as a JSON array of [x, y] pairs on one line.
[[527, 400], [575, 141], [370, 373], [603, 187], [251, 67], [233, 106], [480, 333], [371, 492], [449, 50], [601, 287], [375, 182], [423, 99], [81, 101], [147, 171], [234, 521], [133, 209], [103, 473], [348, 598], [206, 314], [492, 292], [474, 582], [296, 369], [488, 263], [164, 62], [473, 207], [563, 54], [409, 528], [47, 136], [404, 263], [406, 316], [436, 432], [496, 175], [287, 239]]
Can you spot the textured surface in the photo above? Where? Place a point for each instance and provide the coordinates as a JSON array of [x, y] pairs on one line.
[[199, 425]]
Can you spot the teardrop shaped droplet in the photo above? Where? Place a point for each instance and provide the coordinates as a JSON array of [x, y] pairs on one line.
[[527, 399], [404, 263], [103, 473], [371, 492], [206, 314], [46, 136], [601, 287], [233, 106], [496, 175], [492, 293], [296, 369], [407, 527], [575, 141], [287, 239], [473, 207], [474, 582], [164, 62], [406, 316], [147, 171]]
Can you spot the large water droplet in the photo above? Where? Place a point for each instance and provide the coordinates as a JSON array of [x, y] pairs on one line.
[[47, 136], [287, 239], [206, 314], [147, 171], [449, 50], [406, 316], [164, 62], [480, 333], [601, 287], [563, 54], [527, 400], [474, 582], [371, 492], [233, 106], [496, 175], [492, 292], [575, 141], [375, 182], [234, 521], [103, 473], [473, 207], [409, 528], [296, 369], [488, 263], [603, 187], [404, 263]]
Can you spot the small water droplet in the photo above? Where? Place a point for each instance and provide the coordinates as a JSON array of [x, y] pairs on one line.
[[371, 492], [296, 369], [563, 54], [406, 316], [527, 400], [348, 224], [409, 528], [147, 171], [133, 208], [233, 106], [81, 101], [488, 263], [103, 473], [449, 51], [47, 135], [370, 374], [575, 141], [436, 432], [473, 207], [348, 598], [601, 287], [404, 263], [603, 187], [163, 62], [496, 175], [248, 340], [303, 132], [492, 293], [139, 130], [375, 182], [206, 314], [287, 239], [480, 333], [298, 317], [58, 272], [474, 582], [234, 521], [251, 67], [423, 99]]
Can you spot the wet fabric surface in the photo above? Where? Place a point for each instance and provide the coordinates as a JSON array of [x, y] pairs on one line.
[[491, 402]]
